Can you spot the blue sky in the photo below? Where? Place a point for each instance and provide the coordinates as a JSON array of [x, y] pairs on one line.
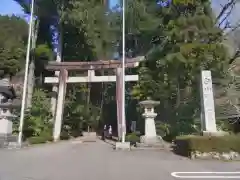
[[11, 7], [113, 2]]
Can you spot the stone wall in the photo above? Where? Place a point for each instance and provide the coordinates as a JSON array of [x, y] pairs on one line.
[[7, 140]]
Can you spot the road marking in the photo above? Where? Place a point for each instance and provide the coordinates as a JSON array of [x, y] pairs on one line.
[[206, 175]]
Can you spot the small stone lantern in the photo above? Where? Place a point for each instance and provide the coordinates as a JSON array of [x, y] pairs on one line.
[[7, 95], [6, 118], [150, 137]]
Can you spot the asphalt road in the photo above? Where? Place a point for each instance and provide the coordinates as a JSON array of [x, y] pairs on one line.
[[98, 161]]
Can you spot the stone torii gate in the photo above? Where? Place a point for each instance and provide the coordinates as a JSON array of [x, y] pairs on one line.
[[63, 79]]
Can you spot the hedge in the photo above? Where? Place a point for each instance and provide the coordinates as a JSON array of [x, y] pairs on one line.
[[184, 145]]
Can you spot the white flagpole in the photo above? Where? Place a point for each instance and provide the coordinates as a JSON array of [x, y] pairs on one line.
[[123, 74], [26, 76]]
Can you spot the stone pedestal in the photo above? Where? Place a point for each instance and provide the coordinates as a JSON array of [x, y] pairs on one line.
[[122, 146], [150, 129], [8, 141], [89, 137], [5, 126], [216, 133], [6, 137]]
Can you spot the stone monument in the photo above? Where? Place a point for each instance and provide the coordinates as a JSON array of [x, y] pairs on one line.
[[7, 94], [208, 119], [150, 137]]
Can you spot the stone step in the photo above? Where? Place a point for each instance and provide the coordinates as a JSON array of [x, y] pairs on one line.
[[89, 137]]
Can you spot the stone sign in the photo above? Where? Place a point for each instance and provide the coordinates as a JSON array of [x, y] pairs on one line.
[[133, 126], [208, 120]]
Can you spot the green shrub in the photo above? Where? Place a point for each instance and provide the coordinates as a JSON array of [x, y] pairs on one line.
[[184, 145], [39, 139], [76, 133], [64, 135], [36, 140], [133, 138], [44, 137], [38, 118]]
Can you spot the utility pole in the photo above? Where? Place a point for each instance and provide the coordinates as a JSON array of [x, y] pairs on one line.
[[123, 74], [26, 76]]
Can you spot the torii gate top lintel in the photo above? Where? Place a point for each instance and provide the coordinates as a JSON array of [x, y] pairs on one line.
[[93, 65]]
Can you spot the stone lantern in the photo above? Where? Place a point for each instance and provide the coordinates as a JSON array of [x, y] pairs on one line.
[[150, 137], [7, 95]]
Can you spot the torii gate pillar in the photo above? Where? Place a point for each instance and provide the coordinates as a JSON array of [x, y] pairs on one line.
[[119, 101], [60, 104]]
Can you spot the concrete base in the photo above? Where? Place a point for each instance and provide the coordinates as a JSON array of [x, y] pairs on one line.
[[8, 140], [122, 146], [217, 133], [89, 137], [156, 141]]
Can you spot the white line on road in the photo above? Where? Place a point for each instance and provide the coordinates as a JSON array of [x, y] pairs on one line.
[[206, 175]]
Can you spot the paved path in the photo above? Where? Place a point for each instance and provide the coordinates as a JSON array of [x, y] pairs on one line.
[[97, 161]]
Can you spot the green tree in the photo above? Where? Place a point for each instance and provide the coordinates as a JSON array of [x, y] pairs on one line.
[[37, 120], [171, 73], [88, 35], [13, 38]]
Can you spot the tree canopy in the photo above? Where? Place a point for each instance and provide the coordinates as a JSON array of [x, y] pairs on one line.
[[14, 31], [178, 41]]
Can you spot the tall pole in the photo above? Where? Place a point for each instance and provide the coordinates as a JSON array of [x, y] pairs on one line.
[[123, 74], [25, 76]]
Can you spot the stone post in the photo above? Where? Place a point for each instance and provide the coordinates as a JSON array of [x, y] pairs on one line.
[[208, 120]]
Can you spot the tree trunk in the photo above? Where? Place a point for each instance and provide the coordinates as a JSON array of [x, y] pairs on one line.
[[31, 75], [178, 100]]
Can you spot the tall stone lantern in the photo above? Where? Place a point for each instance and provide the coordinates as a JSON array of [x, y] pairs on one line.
[[150, 136]]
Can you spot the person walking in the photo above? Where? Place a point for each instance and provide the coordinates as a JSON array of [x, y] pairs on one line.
[[104, 132], [110, 132]]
